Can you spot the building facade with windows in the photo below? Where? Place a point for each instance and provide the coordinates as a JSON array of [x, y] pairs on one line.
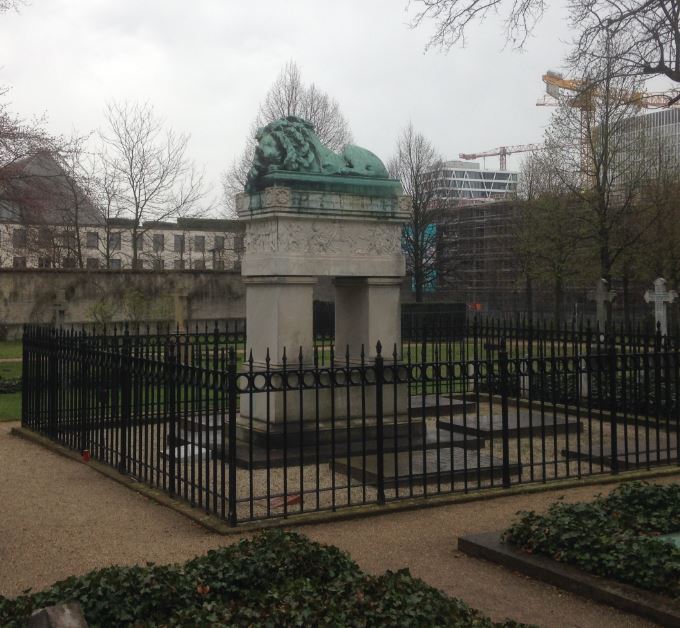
[[188, 244], [467, 183], [46, 221]]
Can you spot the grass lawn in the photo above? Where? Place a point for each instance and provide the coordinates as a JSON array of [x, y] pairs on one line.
[[10, 407], [10, 349], [10, 370]]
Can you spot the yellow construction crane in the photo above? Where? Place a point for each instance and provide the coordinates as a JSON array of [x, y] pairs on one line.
[[502, 152], [555, 84]]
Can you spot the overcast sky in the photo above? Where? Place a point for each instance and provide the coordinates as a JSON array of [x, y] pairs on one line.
[[206, 64]]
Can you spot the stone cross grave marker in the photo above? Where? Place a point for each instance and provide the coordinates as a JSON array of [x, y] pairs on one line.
[[661, 297], [602, 295]]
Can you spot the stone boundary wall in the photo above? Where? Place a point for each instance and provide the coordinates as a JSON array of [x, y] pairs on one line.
[[77, 297]]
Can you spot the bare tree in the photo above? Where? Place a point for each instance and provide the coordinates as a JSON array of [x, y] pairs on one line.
[[594, 148], [649, 28], [155, 179], [648, 33], [452, 18], [416, 164], [547, 239], [289, 96], [6, 5]]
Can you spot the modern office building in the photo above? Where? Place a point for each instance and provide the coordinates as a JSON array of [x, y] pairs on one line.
[[468, 183]]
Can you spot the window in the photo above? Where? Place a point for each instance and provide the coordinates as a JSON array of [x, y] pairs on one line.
[[68, 262], [199, 264], [114, 241], [178, 264], [158, 264], [238, 243], [199, 244], [114, 264], [219, 243], [138, 264], [19, 240], [68, 239], [92, 263], [140, 241], [158, 242], [44, 237], [218, 265], [44, 262], [179, 244], [92, 240]]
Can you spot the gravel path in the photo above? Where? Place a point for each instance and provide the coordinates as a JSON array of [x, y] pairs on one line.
[[60, 518]]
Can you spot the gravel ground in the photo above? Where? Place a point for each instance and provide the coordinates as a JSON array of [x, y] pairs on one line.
[[60, 518]]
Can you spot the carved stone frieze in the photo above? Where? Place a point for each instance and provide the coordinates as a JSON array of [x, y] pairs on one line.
[[327, 237]]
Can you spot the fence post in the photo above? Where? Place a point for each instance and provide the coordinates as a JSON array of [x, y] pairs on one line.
[[82, 397], [231, 385], [170, 414], [503, 365], [26, 381], [379, 417], [613, 421], [125, 382], [52, 384]]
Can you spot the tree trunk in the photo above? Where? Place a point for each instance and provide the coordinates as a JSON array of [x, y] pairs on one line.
[[626, 300], [559, 299], [529, 293]]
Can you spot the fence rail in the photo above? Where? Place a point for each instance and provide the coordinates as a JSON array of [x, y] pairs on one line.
[[194, 416]]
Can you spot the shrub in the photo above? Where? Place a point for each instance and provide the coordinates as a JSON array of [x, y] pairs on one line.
[[613, 536], [277, 579]]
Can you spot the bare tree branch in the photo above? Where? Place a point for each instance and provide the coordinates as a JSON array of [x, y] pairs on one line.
[[289, 96], [155, 179]]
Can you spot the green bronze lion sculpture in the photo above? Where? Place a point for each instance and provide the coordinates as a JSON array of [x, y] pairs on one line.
[[291, 145]]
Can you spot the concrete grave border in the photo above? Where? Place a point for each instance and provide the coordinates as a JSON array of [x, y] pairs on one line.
[[219, 526], [619, 595]]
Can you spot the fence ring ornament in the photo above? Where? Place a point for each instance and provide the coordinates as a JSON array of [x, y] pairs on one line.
[[356, 376], [309, 379], [340, 377]]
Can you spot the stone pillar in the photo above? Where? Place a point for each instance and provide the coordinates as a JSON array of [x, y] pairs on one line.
[[181, 307], [279, 314], [367, 310]]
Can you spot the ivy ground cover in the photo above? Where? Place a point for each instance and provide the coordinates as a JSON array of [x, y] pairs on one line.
[[277, 579], [617, 536]]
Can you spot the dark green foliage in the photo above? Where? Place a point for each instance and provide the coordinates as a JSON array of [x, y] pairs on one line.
[[8, 386], [277, 579], [614, 536]]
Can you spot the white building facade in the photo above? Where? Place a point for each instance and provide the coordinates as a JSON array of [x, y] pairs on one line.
[[188, 244], [468, 183]]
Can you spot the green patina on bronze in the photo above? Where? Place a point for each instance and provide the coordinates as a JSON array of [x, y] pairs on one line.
[[290, 154]]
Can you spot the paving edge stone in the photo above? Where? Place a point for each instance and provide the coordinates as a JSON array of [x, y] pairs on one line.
[[625, 597], [218, 525]]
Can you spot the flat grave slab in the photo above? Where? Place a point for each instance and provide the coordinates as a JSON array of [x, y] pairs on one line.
[[258, 458], [628, 598], [437, 466], [527, 424], [643, 454], [442, 405], [630, 461]]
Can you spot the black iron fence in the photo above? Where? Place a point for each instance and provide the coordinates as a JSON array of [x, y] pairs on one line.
[[197, 418]]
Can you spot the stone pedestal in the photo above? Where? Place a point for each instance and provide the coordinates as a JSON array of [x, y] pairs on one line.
[[279, 311], [292, 237], [367, 310]]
